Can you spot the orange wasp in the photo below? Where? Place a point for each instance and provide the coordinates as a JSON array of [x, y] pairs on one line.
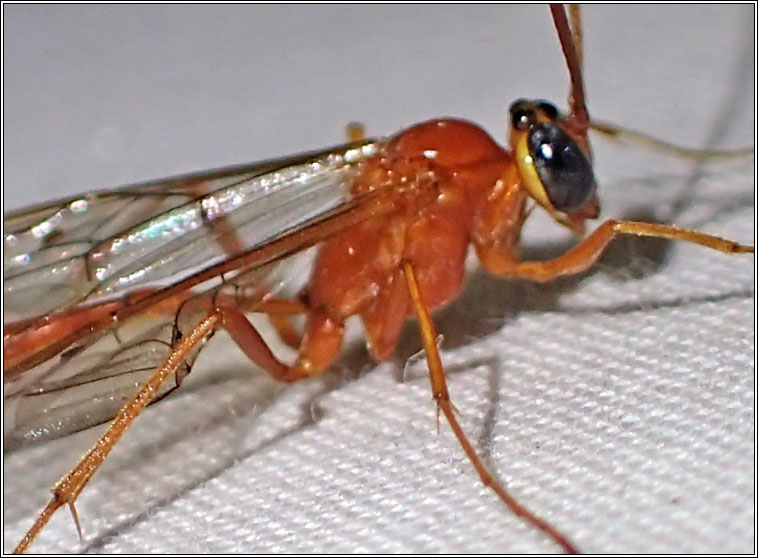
[[138, 353]]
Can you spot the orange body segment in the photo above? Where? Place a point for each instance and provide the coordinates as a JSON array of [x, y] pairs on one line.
[[427, 195]]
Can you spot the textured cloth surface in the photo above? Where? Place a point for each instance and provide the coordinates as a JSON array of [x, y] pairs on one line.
[[618, 405]]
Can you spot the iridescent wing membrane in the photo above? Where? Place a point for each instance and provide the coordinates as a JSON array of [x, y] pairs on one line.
[[109, 249]]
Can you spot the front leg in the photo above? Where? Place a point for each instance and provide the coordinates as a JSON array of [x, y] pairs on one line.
[[505, 263], [498, 222]]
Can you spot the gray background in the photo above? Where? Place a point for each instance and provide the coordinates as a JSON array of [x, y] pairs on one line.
[[619, 406]]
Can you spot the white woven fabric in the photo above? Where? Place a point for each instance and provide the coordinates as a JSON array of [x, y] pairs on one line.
[[618, 405]]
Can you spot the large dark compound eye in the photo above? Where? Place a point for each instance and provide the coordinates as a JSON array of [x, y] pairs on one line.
[[562, 166]]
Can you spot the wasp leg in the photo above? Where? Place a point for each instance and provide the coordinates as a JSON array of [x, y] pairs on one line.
[[67, 489], [444, 405], [279, 313], [318, 350], [583, 255], [319, 347], [286, 330], [355, 131]]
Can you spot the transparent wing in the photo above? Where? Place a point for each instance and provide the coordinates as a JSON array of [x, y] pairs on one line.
[[100, 251], [87, 386], [90, 381], [99, 246]]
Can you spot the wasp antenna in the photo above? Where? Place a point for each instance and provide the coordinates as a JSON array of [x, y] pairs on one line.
[[571, 46], [575, 13], [616, 132]]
